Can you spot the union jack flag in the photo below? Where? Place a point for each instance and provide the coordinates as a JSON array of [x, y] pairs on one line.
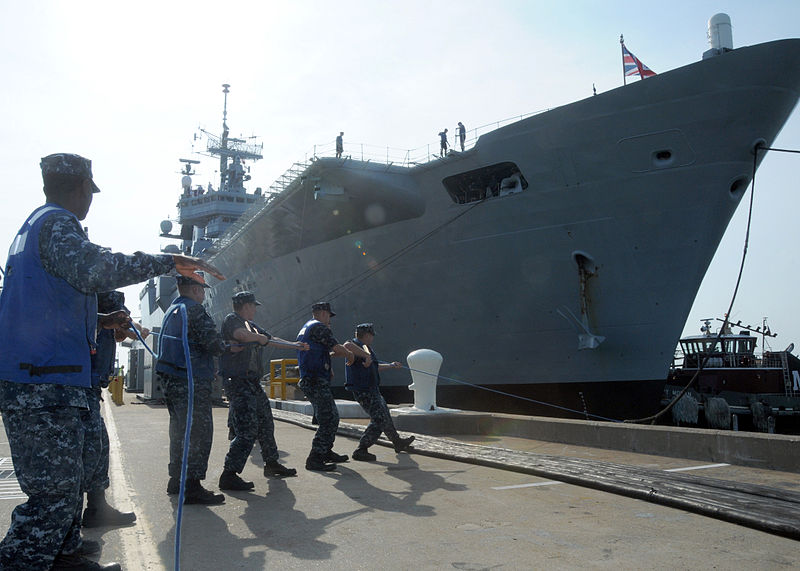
[[633, 66]]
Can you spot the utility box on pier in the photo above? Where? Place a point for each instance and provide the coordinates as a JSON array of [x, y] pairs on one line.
[[134, 380]]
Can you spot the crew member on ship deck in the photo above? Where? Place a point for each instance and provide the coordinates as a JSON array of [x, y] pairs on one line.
[[339, 145]]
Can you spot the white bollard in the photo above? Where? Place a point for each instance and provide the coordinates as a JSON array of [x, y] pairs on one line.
[[424, 365]]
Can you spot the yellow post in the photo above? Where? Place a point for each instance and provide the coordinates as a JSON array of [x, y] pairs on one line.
[[278, 378], [115, 388]]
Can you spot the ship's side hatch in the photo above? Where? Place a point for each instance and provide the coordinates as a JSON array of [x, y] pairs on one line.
[[496, 180]]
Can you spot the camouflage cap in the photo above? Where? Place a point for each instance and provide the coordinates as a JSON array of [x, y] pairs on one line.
[[67, 163], [362, 328], [243, 297], [323, 306], [184, 281]]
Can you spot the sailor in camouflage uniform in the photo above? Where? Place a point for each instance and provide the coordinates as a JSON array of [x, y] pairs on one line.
[[315, 382], [363, 379], [48, 319], [205, 343], [242, 367], [95, 449]]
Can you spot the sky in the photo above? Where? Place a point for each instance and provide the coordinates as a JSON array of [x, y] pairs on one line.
[[129, 84]]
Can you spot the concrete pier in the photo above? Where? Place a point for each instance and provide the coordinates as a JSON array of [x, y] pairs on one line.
[[772, 451], [420, 510]]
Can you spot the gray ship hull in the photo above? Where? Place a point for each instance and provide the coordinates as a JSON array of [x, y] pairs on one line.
[[626, 197]]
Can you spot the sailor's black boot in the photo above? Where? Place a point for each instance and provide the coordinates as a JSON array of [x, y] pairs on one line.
[[318, 464], [273, 468], [197, 494], [98, 513], [174, 486], [88, 547], [230, 480], [364, 455], [332, 456], [402, 444], [78, 563]]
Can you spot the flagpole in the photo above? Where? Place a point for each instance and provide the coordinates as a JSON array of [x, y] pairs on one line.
[[622, 53]]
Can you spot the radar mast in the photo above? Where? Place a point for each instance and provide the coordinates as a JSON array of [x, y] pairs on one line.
[[232, 152]]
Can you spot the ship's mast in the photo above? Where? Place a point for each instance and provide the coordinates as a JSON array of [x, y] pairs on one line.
[[232, 153], [223, 157]]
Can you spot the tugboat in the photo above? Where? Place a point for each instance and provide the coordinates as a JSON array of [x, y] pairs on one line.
[[732, 385]]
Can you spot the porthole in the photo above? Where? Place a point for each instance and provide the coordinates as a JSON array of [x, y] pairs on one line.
[[738, 186], [663, 158]]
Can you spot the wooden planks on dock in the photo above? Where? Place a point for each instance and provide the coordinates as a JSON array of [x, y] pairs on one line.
[[769, 509]]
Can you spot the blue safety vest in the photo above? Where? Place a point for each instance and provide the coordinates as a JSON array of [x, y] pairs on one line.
[[171, 357], [357, 377], [47, 327], [316, 362]]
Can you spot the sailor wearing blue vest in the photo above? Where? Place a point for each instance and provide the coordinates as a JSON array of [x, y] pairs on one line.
[[363, 379], [315, 382], [205, 343], [48, 319], [96, 447], [241, 367]]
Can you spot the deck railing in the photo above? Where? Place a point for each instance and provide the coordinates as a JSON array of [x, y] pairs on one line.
[[410, 157]]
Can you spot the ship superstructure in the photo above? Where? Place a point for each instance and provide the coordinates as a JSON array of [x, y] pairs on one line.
[[204, 215]]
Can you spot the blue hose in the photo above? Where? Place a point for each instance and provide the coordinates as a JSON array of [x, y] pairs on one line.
[[189, 411]]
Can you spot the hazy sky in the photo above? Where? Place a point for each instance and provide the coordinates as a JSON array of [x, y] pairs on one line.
[[128, 84]]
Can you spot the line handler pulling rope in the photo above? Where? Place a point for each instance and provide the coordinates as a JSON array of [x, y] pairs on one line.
[[189, 411]]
